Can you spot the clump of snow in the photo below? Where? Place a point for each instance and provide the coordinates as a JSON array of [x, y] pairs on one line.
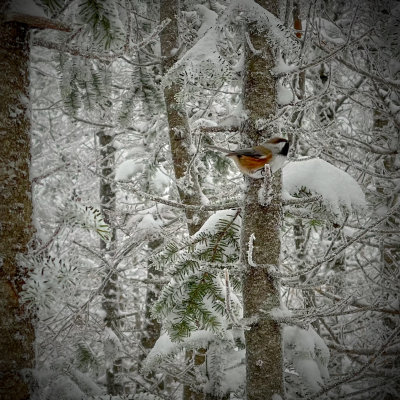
[[309, 355], [165, 347], [203, 122], [127, 169], [282, 67], [337, 188], [160, 180], [225, 363], [208, 18], [284, 95], [280, 312], [211, 225]]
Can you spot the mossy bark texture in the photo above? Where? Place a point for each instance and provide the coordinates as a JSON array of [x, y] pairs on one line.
[[264, 363], [16, 328]]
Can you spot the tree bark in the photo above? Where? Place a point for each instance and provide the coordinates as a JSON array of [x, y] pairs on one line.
[[264, 363], [179, 132], [111, 301], [180, 142], [16, 229]]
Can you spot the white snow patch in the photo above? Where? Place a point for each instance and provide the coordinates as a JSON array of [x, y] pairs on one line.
[[210, 225], [337, 188], [308, 353], [208, 17], [165, 346], [282, 67], [284, 95], [127, 169]]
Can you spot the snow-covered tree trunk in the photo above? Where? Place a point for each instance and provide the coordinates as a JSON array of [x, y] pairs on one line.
[[180, 140], [111, 300], [16, 328], [152, 328], [179, 132], [260, 290]]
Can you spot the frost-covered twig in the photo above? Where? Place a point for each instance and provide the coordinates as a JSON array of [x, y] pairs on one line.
[[228, 307], [251, 47], [48, 243], [324, 58], [395, 350], [265, 191], [250, 251], [77, 51], [205, 207], [334, 254], [301, 201], [355, 303], [359, 370]]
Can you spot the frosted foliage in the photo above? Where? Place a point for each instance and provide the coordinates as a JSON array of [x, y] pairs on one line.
[[337, 188], [51, 280], [112, 346], [224, 361], [251, 12], [308, 354], [203, 62]]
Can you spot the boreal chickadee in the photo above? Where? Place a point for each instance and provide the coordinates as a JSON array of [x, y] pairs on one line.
[[251, 160]]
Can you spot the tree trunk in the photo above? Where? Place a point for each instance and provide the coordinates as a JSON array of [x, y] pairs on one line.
[[110, 302], [16, 230], [180, 141], [260, 291], [179, 132]]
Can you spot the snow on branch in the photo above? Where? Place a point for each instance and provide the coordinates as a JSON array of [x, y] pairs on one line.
[[338, 190], [165, 347], [251, 12]]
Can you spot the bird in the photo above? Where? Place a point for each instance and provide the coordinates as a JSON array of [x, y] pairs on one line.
[[251, 160]]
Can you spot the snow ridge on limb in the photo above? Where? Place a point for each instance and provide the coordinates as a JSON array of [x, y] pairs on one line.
[[277, 34]]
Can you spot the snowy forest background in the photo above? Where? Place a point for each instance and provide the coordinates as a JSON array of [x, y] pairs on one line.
[[153, 269]]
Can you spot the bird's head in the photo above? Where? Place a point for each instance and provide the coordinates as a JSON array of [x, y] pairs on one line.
[[277, 145]]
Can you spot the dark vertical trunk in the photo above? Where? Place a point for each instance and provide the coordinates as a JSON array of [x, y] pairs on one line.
[[111, 300], [180, 141], [16, 230], [260, 291], [179, 132]]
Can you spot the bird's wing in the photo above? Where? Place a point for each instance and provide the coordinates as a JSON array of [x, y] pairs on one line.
[[255, 152]]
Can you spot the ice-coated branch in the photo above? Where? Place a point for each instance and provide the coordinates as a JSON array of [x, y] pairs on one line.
[[228, 307], [250, 251], [355, 303], [324, 58], [205, 207], [301, 201], [77, 51], [360, 370], [334, 254], [251, 47], [265, 191]]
